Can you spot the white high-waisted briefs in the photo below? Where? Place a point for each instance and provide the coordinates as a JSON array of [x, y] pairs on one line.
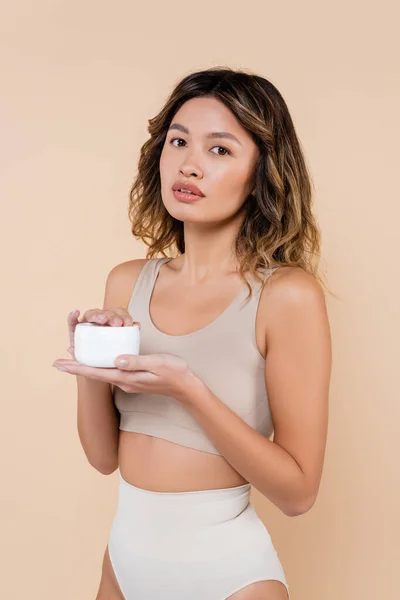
[[197, 545]]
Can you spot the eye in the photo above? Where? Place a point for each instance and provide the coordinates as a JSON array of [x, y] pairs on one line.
[[176, 139], [226, 151]]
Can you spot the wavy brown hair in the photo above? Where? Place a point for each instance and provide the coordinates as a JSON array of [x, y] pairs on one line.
[[279, 227]]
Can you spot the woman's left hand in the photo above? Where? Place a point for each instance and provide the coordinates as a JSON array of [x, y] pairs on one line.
[[164, 374]]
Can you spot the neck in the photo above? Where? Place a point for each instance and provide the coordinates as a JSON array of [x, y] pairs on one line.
[[209, 251]]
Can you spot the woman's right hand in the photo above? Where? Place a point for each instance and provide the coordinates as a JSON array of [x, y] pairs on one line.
[[113, 317]]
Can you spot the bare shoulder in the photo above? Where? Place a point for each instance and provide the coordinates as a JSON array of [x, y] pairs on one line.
[[121, 281], [295, 283], [291, 290]]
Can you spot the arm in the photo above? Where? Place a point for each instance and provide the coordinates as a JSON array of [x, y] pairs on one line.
[[98, 424], [97, 416], [288, 470]]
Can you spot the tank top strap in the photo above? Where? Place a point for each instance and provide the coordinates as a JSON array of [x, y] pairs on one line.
[[257, 286], [245, 310], [143, 288]]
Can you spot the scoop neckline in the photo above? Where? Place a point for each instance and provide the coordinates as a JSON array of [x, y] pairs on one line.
[[163, 261]]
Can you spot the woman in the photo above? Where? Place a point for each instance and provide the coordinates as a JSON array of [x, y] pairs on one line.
[[235, 346]]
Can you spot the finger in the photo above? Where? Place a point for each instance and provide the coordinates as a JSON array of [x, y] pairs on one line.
[[96, 315], [116, 317], [71, 351], [129, 322], [139, 362], [75, 368], [99, 316], [122, 321], [73, 317], [116, 321], [126, 317], [72, 321], [106, 317]]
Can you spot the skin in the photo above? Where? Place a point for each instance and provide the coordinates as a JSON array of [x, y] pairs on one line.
[[225, 179], [292, 333]]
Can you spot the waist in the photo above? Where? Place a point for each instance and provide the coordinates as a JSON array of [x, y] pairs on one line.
[[195, 507], [159, 465]]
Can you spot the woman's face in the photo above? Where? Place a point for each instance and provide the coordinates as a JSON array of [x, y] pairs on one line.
[[220, 166]]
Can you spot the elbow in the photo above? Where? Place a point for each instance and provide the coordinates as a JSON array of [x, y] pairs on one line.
[[105, 469], [300, 508]]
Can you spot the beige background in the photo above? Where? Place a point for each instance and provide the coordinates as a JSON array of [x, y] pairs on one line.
[[79, 82]]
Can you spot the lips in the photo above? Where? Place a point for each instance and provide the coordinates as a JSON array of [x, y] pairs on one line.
[[189, 187], [187, 197]]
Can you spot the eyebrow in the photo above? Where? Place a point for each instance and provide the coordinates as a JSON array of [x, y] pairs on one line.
[[213, 134]]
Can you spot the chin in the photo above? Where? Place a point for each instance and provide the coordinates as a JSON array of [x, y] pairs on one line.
[[193, 213], [184, 212]]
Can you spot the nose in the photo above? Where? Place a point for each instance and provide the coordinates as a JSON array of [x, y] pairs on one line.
[[191, 167]]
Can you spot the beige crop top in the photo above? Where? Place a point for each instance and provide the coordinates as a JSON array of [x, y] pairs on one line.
[[223, 354]]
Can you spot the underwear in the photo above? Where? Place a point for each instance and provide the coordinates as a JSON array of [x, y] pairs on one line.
[[197, 545]]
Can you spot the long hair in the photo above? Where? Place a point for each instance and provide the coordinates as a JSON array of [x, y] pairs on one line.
[[278, 227]]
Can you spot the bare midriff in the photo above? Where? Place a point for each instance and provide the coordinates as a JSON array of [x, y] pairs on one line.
[[162, 466]]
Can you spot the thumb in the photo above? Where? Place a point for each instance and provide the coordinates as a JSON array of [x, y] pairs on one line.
[[138, 362]]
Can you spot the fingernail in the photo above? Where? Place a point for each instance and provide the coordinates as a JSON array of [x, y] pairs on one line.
[[60, 368], [121, 362], [101, 316]]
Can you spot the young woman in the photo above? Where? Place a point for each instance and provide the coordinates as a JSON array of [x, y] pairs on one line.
[[235, 346]]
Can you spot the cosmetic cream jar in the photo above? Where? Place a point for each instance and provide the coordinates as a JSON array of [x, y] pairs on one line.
[[99, 345]]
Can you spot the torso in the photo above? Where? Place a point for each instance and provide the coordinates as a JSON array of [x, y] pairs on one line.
[[153, 463]]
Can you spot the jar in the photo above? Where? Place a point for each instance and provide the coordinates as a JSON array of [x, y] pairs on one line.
[[99, 345]]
